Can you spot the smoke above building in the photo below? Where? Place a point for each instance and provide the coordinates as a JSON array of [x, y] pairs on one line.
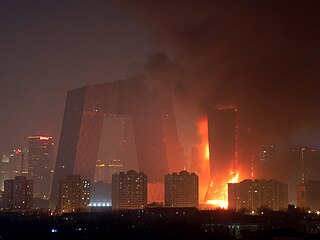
[[261, 57]]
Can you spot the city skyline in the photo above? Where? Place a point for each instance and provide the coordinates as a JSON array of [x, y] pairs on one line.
[[159, 119], [267, 70], [49, 67]]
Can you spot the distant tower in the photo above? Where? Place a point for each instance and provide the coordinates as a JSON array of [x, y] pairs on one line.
[[18, 194], [40, 164], [129, 190], [182, 190], [305, 166], [222, 128], [265, 160], [74, 195]]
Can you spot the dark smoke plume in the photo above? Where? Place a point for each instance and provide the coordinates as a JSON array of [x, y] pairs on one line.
[[263, 56]]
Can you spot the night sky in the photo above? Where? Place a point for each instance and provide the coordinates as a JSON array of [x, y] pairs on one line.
[[52, 46], [263, 56]]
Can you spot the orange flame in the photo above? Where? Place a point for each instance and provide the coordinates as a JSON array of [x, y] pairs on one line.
[[218, 192], [203, 164], [202, 132]]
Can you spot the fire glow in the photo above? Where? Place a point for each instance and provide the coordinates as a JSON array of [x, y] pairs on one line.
[[203, 165], [220, 192], [217, 193]]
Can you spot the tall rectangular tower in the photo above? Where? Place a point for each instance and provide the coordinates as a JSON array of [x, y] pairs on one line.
[[40, 164], [222, 135]]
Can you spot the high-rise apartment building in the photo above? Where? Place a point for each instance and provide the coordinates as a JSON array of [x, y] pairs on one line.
[[182, 189], [150, 113], [129, 190], [74, 195], [18, 194], [254, 194], [40, 164]]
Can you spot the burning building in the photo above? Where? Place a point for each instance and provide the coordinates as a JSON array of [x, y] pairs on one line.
[[222, 143]]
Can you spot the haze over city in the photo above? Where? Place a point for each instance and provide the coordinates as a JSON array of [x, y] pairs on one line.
[[218, 99]]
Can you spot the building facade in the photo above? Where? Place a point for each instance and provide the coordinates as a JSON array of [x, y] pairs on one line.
[[129, 190], [252, 195], [40, 164], [85, 111], [182, 189], [74, 195], [18, 194]]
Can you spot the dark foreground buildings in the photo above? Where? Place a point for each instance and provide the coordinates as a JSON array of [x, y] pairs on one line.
[[162, 223], [18, 194], [153, 122]]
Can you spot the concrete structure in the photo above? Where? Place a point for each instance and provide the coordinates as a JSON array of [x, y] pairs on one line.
[[18, 194], [129, 190], [308, 195], [40, 164], [74, 195], [260, 193], [182, 190], [304, 167], [153, 122]]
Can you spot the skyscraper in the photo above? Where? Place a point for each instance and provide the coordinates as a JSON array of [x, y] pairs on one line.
[[18, 194], [74, 195], [40, 164], [129, 190], [222, 136], [265, 161], [153, 122], [182, 190], [222, 142]]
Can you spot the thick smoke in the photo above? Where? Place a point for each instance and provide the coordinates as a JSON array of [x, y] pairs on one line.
[[262, 56]]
